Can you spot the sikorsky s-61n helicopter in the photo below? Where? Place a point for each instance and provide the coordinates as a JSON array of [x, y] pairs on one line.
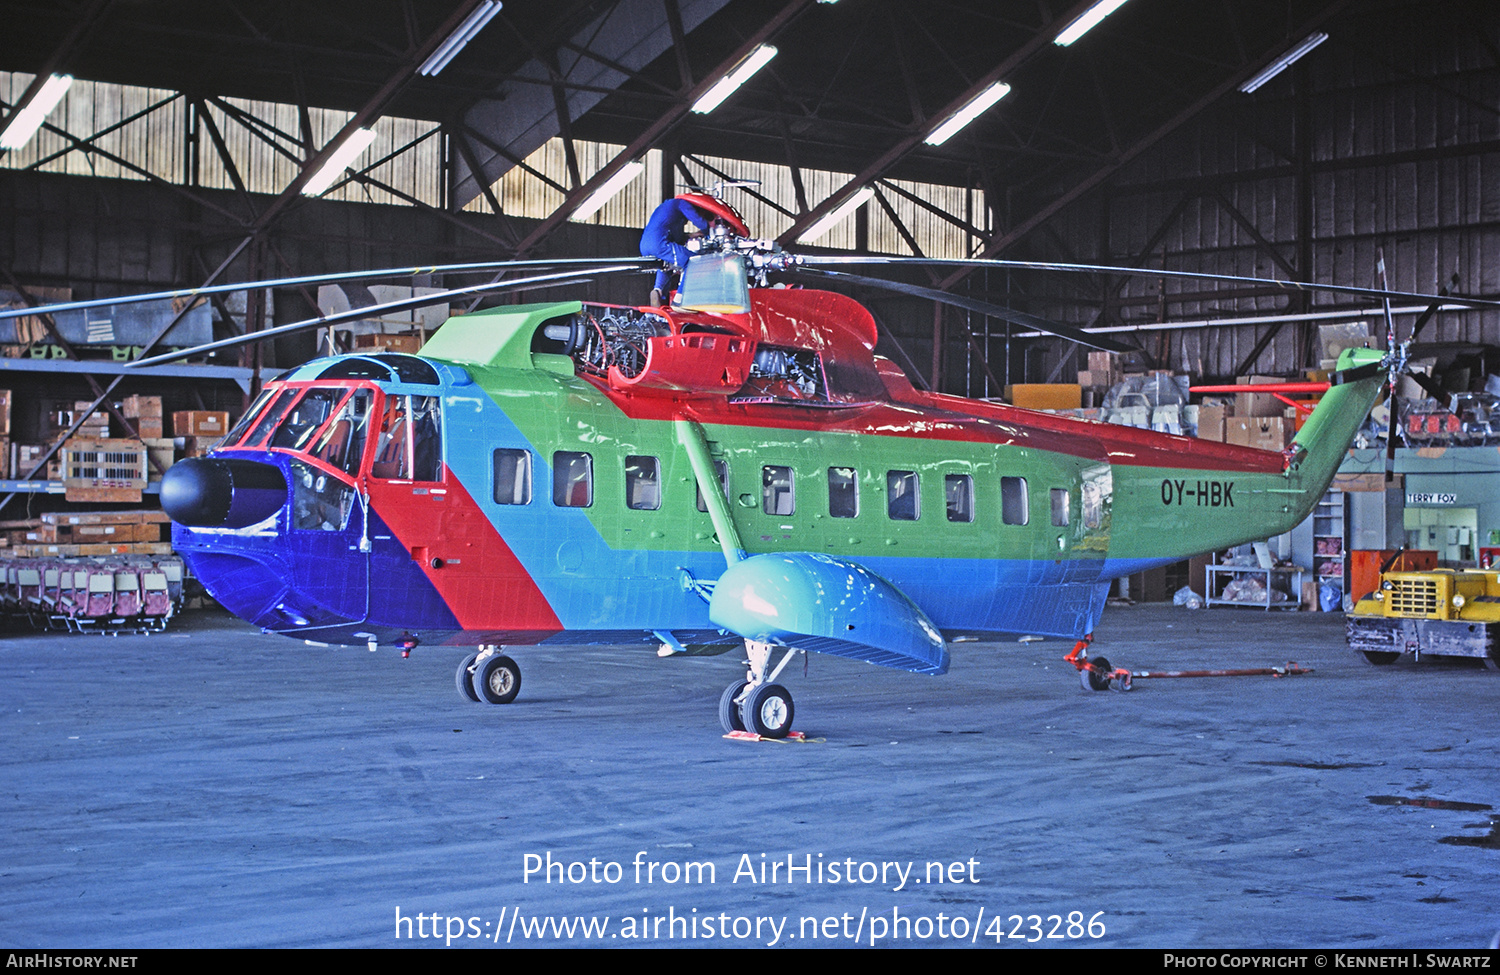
[[736, 469]]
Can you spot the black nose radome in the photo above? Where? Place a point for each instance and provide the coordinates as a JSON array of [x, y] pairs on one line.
[[221, 492]]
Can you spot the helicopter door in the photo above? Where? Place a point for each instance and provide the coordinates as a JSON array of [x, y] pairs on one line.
[[409, 446]]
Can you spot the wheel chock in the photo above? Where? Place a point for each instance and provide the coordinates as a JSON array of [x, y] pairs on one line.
[[796, 736]]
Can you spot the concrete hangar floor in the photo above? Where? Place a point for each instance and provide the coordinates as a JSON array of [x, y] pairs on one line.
[[213, 786]]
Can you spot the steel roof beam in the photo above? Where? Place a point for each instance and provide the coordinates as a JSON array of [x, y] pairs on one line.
[[664, 124], [916, 134], [1098, 176]]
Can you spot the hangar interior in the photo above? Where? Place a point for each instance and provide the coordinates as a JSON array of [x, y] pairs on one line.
[[182, 152]]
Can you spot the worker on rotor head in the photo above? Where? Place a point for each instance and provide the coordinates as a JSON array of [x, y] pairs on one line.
[[665, 237]]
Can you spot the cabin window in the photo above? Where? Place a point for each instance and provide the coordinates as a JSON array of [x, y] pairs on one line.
[[902, 500], [1013, 505], [1060, 504], [572, 479], [843, 492], [642, 483], [776, 492], [958, 492], [512, 473], [721, 471]]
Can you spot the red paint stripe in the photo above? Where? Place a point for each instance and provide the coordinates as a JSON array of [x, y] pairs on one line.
[[480, 578]]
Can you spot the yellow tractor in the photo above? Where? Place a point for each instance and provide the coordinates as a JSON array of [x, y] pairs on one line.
[[1432, 612]]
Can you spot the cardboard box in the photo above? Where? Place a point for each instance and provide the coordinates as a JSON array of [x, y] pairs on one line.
[[162, 453], [24, 458], [1211, 420], [141, 406], [194, 446], [144, 427], [1250, 404], [200, 423], [1046, 396], [1260, 432], [104, 463], [5, 398], [387, 343]]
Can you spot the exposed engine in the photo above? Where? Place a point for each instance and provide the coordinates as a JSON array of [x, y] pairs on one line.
[[603, 337]]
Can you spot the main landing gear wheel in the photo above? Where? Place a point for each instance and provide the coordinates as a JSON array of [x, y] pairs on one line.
[[497, 679], [1095, 677], [729, 711], [464, 679], [768, 711]]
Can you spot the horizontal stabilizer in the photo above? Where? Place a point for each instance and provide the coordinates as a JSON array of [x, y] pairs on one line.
[[815, 602]]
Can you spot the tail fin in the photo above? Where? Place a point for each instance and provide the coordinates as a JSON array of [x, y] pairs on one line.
[[1323, 441]]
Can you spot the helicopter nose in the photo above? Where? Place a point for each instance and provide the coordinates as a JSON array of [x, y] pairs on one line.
[[221, 492]]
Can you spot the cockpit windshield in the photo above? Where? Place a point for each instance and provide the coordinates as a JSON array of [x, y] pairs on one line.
[[306, 418], [334, 424]]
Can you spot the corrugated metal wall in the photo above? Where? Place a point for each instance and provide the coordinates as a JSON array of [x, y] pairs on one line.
[[1410, 166]]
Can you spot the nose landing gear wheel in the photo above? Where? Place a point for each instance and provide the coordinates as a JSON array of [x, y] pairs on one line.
[[768, 711], [497, 680], [465, 680], [729, 712]]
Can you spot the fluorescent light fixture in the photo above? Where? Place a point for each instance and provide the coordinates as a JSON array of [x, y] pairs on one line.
[[975, 108], [23, 124], [731, 82], [345, 154], [1087, 22], [607, 192], [1285, 61], [472, 25], [837, 216]]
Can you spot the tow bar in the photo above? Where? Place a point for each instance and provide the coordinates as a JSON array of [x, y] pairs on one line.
[[1098, 675]]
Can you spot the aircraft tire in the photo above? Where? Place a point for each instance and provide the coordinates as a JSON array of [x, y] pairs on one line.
[[768, 711], [729, 712], [464, 680], [1093, 681], [1380, 658], [497, 680]]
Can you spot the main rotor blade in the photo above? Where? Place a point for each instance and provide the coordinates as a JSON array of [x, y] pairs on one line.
[[404, 304], [1289, 286], [974, 304], [397, 272]]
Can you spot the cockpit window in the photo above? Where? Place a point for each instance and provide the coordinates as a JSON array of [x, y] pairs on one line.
[[244, 424], [409, 445], [341, 444], [272, 416], [357, 367], [409, 369], [304, 419]]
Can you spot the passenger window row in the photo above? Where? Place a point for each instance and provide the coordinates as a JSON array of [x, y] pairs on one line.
[[573, 487]]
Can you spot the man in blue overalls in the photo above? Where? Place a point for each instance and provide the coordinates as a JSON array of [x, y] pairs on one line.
[[664, 238]]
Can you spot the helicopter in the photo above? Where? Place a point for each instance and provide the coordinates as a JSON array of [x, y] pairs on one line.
[[734, 471]]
